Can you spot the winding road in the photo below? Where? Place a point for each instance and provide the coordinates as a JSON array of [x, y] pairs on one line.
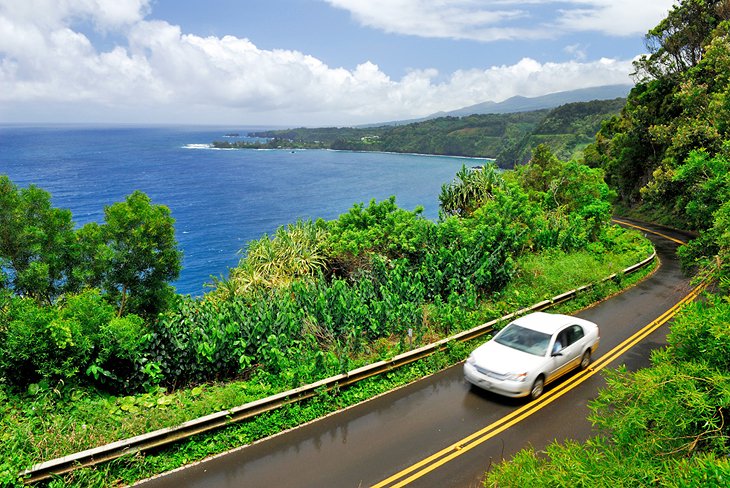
[[440, 431]]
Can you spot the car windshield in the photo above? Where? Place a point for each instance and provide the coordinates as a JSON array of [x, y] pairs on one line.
[[523, 339]]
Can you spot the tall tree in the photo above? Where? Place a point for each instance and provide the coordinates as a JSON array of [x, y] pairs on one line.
[[677, 43], [35, 242], [143, 254]]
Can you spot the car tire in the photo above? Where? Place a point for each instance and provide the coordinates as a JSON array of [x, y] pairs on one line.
[[537, 388], [585, 361]]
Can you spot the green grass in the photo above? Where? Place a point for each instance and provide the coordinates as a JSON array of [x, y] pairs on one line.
[[56, 420]]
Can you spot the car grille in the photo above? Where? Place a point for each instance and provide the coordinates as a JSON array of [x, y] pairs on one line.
[[491, 374]]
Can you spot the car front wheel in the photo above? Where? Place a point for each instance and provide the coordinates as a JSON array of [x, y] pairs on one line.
[[537, 387]]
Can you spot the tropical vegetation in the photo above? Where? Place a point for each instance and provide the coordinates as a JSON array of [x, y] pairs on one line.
[[95, 346], [666, 154], [100, 328]]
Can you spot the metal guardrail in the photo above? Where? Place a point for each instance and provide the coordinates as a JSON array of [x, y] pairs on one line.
[[223, 418]]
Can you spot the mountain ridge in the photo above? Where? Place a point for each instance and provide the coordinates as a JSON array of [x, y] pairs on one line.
[[520, 103]]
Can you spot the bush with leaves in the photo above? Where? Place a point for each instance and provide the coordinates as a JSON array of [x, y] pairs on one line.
[[380, 228], [79, 339], [295, 251], [142, 256]]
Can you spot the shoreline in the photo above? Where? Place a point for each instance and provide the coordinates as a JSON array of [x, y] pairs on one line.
[[412, 154], [296, 149]]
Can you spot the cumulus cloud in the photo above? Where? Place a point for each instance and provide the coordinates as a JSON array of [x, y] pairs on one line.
[[493, 20], [161, 74]]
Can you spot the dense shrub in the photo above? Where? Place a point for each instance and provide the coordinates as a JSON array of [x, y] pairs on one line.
[[80, 338]]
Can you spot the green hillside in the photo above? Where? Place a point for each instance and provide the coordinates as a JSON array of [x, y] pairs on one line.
[[507, 138]]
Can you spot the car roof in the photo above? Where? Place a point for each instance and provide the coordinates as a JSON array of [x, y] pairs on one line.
[[549, 323]]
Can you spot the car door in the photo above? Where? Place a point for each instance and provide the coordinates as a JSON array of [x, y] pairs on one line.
[[574, 349], [558, 358], [567, 350]]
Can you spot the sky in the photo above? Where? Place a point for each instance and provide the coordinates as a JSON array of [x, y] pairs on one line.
[[304, 62]]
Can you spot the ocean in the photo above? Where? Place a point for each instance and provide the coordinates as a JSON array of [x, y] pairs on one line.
[[220, 199]]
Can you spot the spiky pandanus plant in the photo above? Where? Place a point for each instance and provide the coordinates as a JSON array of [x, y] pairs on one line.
[[471, 188], [295, 251]]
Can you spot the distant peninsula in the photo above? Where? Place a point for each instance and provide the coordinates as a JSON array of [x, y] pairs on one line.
[[507, 138]]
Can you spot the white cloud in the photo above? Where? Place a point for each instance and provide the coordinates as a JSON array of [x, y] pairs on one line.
[[614, 17], [530, 78], [455, 19], [50, 14], [50, 71], [492, 20]]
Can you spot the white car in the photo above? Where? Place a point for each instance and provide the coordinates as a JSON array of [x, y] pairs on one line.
[[531, 352]]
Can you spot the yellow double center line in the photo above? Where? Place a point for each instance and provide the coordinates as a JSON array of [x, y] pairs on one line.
[[628, 224], [455, 450]]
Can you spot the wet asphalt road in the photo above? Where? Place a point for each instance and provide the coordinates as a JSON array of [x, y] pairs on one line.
[[368, 443]]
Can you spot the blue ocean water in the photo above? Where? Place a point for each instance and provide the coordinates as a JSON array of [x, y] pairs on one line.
[[220, 199]]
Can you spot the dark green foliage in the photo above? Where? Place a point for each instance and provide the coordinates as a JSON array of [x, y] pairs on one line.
[[143, 255], [380, 228], [665, 119], [666, 154], [201, 340], [696, 189], [677, 43], [320, 293], [625, 147], [375, 273], [79, 339], [57, 285], [596, 463], [36, 242], [132, 256], [576, 200], [702, 334], [387, 271], [566, 130]]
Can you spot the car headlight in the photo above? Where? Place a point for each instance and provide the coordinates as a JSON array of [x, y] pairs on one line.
[[517, 376], [471, 360]]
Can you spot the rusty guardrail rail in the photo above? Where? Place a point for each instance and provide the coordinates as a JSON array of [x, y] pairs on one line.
[[220, 419]]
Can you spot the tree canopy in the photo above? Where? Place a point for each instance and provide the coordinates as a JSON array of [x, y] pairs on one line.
[[131, 257], [142, 254], [36, 242]]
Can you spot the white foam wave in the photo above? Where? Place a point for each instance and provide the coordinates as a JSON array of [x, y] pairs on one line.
[[207, 146]]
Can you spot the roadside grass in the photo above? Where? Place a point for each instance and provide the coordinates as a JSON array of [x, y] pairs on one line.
[[51, 421]]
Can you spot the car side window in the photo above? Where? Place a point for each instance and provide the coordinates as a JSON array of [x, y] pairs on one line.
[[574, 333]]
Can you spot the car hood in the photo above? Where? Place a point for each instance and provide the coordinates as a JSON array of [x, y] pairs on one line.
[[503, 360]]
